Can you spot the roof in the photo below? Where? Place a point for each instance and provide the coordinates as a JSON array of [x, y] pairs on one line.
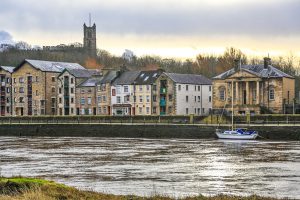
[[8, 68], [189, 79], [50, 66], [127, 78], [257, 70], [90, 82], [82, 73], [109, 77], [147, 77]]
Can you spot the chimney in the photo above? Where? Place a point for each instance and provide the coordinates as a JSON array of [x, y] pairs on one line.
[[237, 65], [267, 62]]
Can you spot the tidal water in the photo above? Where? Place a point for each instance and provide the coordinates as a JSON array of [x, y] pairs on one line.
[[173, 167]]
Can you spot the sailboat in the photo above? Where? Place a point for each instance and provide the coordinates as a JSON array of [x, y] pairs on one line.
[[237, 133]]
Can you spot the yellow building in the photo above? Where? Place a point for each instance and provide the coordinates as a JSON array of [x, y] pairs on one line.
[[254, 89], [35, 86]]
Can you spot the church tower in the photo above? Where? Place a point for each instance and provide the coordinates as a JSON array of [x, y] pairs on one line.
[[89, 39]]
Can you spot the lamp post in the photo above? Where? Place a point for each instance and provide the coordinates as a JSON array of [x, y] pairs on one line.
[[134, 97]]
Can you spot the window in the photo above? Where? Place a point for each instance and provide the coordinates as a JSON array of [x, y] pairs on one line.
[[141, 88], [170, 97], [118, 89], [154, 87], [72, 110], [195, 98], [154, 110], [59, 90], [7, 80], [210, 88], [141, 98], [148, 87], [199, 98], [82, 91], [195, 111], [126, 99], [36, 79], [272, 94], [187, 98], [72, 90], [8, 100], [82, 111], [43, 103], [187, 87], [7, 109], [53, 89], [118, 99], [52, 102], [15, 90], [179, 87], [90, 111], [72, 80], [186, 111], [203, 110], [82, 101], [104, 110], [147, 110], [134, 98], [195, 88], [36, 93], [126, 88], [72, 100], [198, 111], [15, 80], [21, 99], [209, 99], [222, 94], [100, 110], [8, 90], [89, 90], [53, 78], [148, 98], [59, 100], [113, 92], [21, 80], [104, 98], [21, 90], [170, 109], [154, 98], [140, 110], [89, 100], [99, 99], [254, 95], [198, 87]]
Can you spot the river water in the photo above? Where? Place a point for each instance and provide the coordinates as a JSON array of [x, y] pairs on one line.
[[173, 167]]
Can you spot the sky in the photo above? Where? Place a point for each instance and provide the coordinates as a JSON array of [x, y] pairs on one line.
[[168, 28]]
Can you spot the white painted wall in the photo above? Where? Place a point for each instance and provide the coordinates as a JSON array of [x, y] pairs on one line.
[[120, 92], [203, 95]]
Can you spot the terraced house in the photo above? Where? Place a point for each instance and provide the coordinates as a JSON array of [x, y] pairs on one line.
[[182, 94], [103, 94], [6, 90], [35, 86], [68, 81], [253, 89]]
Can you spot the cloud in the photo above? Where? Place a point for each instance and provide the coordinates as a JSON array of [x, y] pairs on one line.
[[5, 37], [166, 17]]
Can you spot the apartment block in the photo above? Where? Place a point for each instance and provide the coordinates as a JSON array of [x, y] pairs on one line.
[[6, 90]]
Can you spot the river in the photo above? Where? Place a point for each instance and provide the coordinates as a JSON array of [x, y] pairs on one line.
[[173, 167]]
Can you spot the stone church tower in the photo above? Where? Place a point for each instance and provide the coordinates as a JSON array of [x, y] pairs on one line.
[[89, 40]]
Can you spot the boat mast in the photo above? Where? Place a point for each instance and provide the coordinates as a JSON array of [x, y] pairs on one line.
[[232, 105]]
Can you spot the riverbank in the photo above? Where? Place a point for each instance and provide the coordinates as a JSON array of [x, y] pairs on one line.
[[38, 189], [141, 130]]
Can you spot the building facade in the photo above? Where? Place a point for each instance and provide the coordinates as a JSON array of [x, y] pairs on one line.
[[254, 89], [6, 90], [35, 87]]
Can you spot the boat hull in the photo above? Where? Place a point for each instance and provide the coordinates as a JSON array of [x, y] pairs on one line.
[[235, 136]]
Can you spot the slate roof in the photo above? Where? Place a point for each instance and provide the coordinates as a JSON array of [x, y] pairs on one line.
[[8, 68], [91, 82], [109, 77], [51, 66], [127, 78], [189, 79], [82, 73], [257, 70], [147, 77]]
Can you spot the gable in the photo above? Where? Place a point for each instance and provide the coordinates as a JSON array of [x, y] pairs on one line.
[[242, 74]]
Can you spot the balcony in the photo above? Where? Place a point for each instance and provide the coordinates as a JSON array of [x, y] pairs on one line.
[[163, 90], [162, 113], [2, 93], [162, 102]]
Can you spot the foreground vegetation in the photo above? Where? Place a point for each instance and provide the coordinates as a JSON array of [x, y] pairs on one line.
[[18, 188]]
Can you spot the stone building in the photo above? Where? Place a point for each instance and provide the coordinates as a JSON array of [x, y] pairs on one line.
[[103, 94], [86, 96], [254, 89], [142, 92], [68, 81], [6, 90], [35, 86], [89, 39], [182, 94]]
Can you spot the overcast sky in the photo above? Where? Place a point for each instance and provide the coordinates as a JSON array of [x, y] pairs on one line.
[[164, 27]]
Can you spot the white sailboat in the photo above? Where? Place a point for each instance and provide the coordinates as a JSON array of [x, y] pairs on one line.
[[237, 133]]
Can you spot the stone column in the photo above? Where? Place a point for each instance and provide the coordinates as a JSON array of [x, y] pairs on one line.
[[257, 92], [226, 91], [237, 93], [247, 93]]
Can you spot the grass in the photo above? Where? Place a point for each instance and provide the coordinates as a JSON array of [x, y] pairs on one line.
[[21, 188]]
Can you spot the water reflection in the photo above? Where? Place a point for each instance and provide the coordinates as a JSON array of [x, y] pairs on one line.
[[148, 166]]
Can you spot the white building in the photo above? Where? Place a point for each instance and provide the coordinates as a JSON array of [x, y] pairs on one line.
[[193, 94]]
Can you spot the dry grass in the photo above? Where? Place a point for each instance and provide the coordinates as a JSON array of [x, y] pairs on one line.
[[37, 189]]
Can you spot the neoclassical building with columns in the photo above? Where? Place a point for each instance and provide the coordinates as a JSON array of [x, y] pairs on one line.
[[254, 89]]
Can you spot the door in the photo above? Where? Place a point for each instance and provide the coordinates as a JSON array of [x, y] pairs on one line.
[[244, 97]]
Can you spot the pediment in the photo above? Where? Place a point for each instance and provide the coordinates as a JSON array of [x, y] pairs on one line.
[[242, 74]]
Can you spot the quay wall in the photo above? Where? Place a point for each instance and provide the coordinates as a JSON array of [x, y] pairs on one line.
[[185, 131]]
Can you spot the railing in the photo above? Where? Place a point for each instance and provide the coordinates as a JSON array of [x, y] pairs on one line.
[[162, 103]]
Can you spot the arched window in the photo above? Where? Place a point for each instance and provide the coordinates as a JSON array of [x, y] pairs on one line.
[[271, 93]]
